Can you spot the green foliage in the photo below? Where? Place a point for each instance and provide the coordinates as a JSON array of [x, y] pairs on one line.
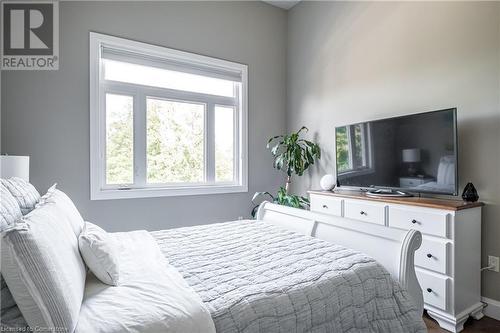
[[291, 200], [293, 154], [281, 198], [175, 144], [358, 145], [175, 141], [224, 144], [343, 148], [342, 144], [119, 140]]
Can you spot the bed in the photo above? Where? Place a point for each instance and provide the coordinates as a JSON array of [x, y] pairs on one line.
[[273, 274], [260, 276], [254, 276]]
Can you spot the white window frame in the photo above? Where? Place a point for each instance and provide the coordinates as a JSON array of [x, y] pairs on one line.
[[367, 156], [99, 190]]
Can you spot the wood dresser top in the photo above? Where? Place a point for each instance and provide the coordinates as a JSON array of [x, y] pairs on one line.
[[411, 201]]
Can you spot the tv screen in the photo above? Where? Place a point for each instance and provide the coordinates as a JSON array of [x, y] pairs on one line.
[[415, 153]]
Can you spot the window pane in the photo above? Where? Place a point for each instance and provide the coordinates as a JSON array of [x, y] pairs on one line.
[[175, 141], [163, 78], [358, 147], [224, 143], [119, 139], [342, 143]]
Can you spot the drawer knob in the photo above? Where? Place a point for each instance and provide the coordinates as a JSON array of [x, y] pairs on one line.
[[325, 206], [363, 212], [413, 221], [429, 255], [429, 290]]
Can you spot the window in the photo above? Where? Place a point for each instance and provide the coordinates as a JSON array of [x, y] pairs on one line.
[[353, 149], [164, 122]]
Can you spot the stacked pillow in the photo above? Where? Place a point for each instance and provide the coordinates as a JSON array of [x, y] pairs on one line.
[[9, 209], [23, 192], [10, 316], [42, 265], [41, 260]]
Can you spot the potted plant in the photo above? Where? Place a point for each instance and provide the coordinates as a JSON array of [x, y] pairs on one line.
[[293, 155]]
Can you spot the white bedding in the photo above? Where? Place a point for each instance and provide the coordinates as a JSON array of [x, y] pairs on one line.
[[152, 295], [255, 277], [436, 187]]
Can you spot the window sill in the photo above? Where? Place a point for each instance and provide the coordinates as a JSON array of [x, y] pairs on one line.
[[357, 172], [110, 194]]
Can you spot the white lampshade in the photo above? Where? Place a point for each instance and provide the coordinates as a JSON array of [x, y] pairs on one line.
[[15, 166], [411, 155]]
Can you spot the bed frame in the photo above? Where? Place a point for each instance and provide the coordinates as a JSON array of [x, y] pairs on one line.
[[393, 248]]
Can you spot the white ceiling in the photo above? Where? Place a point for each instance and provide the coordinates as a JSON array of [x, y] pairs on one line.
[[285, 4]]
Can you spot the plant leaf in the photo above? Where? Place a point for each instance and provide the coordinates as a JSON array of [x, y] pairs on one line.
[[261, 194]]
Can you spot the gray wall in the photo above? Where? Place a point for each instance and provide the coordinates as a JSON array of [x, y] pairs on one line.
[[46, 114], [351, 62]]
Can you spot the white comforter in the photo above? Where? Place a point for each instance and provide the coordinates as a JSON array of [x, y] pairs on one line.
[[152, 297], [255, 277], [436, 187]]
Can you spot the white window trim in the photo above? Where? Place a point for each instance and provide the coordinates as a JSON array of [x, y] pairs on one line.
[[98, 189], [367, 156]]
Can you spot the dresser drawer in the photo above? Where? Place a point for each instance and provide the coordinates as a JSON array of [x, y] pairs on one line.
[[433, 255], [427, 222], [326, 205], [434, 288], [364, 211]]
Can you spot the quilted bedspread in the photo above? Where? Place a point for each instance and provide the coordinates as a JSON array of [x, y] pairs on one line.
[[256, 277]]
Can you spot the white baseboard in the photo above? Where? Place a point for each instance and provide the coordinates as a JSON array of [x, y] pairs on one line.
[[493, 308]]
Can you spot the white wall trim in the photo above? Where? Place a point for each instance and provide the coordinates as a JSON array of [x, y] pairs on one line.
[[493, 308]]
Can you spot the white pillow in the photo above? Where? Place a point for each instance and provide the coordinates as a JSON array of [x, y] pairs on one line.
[[446, 170], [49, 193], [42, 266], [71, 214], [9, 209], [25, 194], [10, 213], [10, 315], [99, 253]]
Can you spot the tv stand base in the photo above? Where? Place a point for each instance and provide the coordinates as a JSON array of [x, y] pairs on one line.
[[387, 193]]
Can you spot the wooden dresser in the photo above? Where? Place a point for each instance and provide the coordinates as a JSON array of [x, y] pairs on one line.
[[449, 260]]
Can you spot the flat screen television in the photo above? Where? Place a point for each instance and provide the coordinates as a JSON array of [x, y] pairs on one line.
[[416, 153]]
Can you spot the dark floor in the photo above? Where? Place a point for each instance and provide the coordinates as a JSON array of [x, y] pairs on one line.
[[486, 324]]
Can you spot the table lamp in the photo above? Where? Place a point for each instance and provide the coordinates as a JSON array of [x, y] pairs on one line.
[[411, 156], [15, 166]]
